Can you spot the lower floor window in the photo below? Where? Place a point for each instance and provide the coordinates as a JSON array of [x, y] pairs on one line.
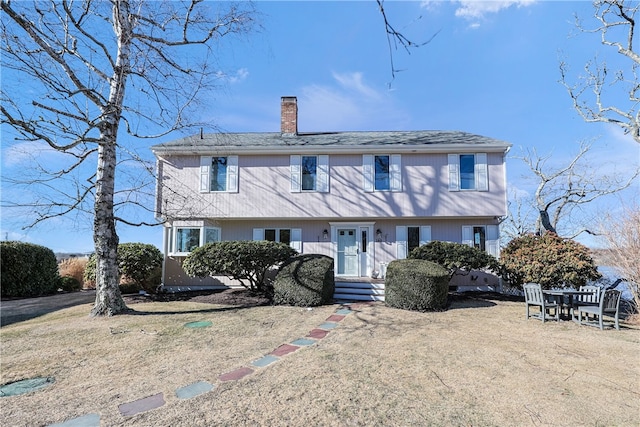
[[189, 238], [479, 238], [413, 238], [282, 235]]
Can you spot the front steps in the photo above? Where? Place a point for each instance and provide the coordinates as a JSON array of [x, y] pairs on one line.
[[362, 289]]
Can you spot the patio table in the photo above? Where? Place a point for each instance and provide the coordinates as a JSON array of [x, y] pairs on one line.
[[559, 294]]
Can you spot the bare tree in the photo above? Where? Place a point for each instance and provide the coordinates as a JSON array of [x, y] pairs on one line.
[[621, 234], [90, 67], [616, 26], [561, 191]]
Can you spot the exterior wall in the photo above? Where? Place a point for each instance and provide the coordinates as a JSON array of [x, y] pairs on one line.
[[264, 191], [380, 252]]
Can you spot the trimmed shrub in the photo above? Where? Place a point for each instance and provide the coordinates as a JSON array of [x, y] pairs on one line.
[[139, 267], [246, 261], [548, 260], [27, 270], [456, 257], [70, 284], [305, 281], [414, 284]]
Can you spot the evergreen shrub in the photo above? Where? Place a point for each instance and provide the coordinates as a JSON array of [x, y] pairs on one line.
[[139, 267], [414, 284], [27, 270], [70, 284], [305, 281]]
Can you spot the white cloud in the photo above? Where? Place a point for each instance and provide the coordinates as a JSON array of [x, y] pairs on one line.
[[477, 9], [23, 153], [349, 104], [240, 75]]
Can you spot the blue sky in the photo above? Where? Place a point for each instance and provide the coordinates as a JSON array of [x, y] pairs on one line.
[[492, 69]]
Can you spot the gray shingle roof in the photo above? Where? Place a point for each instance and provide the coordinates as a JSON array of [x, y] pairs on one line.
[[433, 140]]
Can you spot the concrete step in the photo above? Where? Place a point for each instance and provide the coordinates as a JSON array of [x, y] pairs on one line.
[[360, 291], [357, 297]]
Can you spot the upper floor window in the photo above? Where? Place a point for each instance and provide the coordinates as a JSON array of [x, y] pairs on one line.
[[186, 239], [382, 177], [382, 172], [468, 172], [219, 173], [309, 173]]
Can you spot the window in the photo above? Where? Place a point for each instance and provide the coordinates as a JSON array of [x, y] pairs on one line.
[[290, 236], [479, 238], [309, 168], [409, 238], [468, 172], [282, 235], [413, 238], [483, 237], [309, 173], [188, 238], [382, 172], [219, 174]]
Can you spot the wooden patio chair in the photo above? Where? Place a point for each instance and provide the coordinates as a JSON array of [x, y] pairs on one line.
[[593, 299], [533, 297], [609, 306]]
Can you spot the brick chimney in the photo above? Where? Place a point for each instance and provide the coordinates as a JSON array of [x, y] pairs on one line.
[[289, 116]]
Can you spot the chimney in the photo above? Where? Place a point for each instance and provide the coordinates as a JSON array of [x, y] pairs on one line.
[[289, 116]]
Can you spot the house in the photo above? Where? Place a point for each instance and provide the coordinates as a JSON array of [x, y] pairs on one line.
[[363, 198]]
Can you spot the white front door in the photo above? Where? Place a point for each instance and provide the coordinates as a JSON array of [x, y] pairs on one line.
[[348, 259]]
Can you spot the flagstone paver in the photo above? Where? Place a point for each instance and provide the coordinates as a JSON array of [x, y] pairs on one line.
[[235, 375], [284, 349], [265, 361], [318, 334], [142, 405], [344, 311], [335, 318], [328, 325], [303, 342], [193, 390], [89, 420]]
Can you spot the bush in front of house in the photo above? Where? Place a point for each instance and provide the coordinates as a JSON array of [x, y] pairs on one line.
[[305, 281], [456, 257], [246, 261], [27, 270], [415, 284], [139, 267], [548, 260]]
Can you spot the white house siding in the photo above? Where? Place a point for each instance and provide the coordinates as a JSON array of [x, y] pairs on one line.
[[265, 192]]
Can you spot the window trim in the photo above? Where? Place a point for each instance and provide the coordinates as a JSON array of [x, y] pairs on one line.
[[322, 173], [481, 175], [232, 174], [369, 172]]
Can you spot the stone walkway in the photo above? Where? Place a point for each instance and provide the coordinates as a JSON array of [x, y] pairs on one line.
[[189, 391]]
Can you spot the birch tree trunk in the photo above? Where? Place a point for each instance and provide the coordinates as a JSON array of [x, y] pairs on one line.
[[108, 297]]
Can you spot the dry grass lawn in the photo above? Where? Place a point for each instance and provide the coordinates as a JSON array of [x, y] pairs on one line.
[[480, 363]]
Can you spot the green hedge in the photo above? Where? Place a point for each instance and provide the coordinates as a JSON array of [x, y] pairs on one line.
[[139, 267], [414, 284], [305, 281], [27, 270]]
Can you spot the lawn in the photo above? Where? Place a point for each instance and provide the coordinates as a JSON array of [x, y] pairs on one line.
[[478, 363]]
